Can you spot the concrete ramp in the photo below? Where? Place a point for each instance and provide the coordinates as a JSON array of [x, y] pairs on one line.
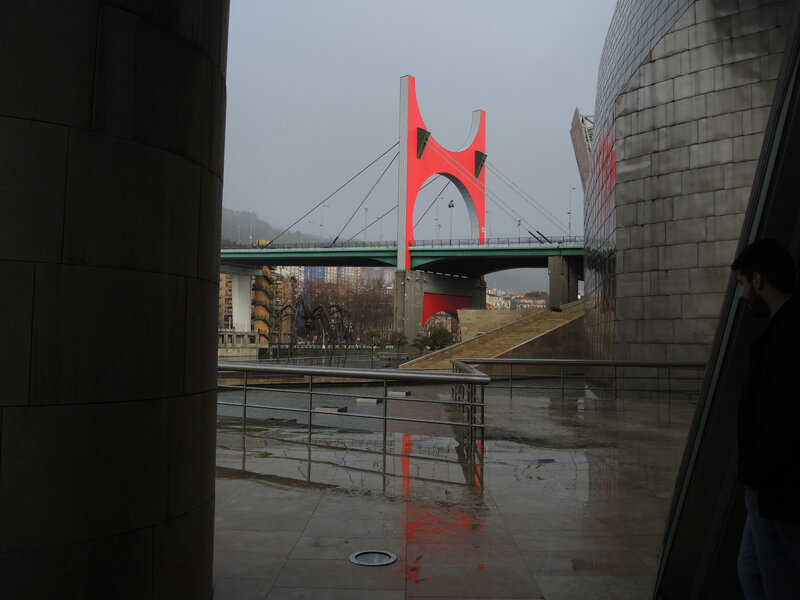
[[519, 339]]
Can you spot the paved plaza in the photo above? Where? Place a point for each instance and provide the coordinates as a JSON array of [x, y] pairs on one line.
[[573, 504]]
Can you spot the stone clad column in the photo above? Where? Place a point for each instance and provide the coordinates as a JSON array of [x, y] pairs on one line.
[[111, 149], [564, 273]]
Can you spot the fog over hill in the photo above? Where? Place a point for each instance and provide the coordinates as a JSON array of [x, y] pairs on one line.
[[519, 280], [261, 230]]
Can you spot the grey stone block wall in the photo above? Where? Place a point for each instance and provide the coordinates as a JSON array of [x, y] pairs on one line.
[[688, 123], [111, 145], [708, 78]]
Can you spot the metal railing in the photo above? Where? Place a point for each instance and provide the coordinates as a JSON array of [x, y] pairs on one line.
[[601, 380], [610, 379], [466, 402], [501, 241], [457, 242], [312, 245]]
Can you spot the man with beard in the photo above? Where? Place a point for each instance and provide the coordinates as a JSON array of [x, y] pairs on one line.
[[769, 419]]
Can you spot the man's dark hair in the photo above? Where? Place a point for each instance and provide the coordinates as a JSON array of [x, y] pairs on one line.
[[771, 260]]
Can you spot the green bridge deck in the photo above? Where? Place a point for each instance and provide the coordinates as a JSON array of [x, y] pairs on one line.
[[468, 260]]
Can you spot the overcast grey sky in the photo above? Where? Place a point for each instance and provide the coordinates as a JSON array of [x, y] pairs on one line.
[[313, 97]]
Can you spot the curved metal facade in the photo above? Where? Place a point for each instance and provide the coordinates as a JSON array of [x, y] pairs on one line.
[[683, 95]]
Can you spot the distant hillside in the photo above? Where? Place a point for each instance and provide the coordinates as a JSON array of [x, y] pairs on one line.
[[261, 229]]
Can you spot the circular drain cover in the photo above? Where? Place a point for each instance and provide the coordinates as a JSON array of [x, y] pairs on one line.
[[372, 558]]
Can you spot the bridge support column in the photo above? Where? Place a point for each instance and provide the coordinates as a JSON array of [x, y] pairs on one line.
[[240, 296], [565, 272], [419, 295]]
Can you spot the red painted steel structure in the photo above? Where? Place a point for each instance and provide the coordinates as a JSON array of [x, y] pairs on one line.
[[436, 303], [421, 157]]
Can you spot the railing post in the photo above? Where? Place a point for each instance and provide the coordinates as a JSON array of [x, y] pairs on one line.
[[482, 449], [310, 408], [310, 404], [385, 420], [244, 405], [244, 423], [471, 425]]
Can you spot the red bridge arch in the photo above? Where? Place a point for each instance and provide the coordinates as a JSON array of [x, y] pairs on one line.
[[421, 156]]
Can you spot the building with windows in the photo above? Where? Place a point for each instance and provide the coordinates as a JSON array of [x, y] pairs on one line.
[[346, 276], [296, 273], [225, 307]]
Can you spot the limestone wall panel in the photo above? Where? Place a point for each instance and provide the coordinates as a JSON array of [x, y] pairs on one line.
[[122, 466], [79, 357], [33, 165], [152, 86], [15, 332], [130, 206], [48, 77]]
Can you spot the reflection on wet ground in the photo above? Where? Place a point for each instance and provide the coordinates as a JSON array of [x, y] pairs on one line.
[[573, 503]]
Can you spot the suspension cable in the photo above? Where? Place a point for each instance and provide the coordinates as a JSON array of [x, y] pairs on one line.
[[335, 192], [363, 229], [524, 195], [489, 193], [435, 198], [430, 182], [365, 198]]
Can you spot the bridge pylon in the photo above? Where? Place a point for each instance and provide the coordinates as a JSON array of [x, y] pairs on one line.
[[420, 295], [421, 156]]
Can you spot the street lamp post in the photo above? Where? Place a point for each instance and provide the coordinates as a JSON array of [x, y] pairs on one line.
[[436, 220], [569, 212], [366, 211], [450, 206], [322, 223]]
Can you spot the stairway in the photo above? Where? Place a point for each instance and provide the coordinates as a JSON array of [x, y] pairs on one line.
[[498, 341]]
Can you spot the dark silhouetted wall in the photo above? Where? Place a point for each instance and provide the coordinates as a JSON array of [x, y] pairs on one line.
[[112, 122]]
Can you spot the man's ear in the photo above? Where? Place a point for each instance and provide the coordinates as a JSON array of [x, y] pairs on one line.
[[758, 281]]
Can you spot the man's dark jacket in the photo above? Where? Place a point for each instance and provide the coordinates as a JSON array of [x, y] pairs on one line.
[[769, 417]]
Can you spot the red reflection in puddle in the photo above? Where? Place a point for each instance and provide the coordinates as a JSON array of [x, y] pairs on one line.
[[406, 451], [412, 572], [479, 469], [424, 527], [448, 533]]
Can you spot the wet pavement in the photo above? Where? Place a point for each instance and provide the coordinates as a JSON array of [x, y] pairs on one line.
[[573, 503]]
